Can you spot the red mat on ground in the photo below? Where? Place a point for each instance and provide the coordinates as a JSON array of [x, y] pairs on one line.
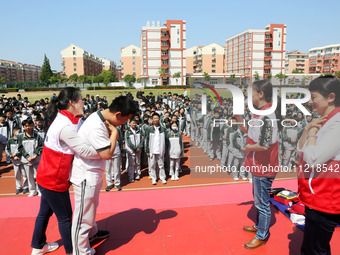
[[209, 225]]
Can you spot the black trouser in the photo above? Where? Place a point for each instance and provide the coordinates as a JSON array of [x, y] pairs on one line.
[[58, 203], [319, 228]]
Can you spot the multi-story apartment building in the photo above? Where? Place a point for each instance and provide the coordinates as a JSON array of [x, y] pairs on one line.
[[324, 59], [257, 50], [163, 53], [209, 59], [296, 61], [109, 65], [76, 60], [130, 61], [13, 71]]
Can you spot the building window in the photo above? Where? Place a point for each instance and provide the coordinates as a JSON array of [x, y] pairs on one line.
[[144, 52], [178, 31], [154, 81], [144, 71], [74, 52], [213, 71], [144, 61], [144, 42], [144, 33], [213, 66], [177, 40], [74, 58], [133, 51], [134, 57], [134, 69], [75, 69], [74, 64], [134, 73], [133, 62]]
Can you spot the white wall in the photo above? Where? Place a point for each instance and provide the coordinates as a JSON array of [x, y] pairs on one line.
[[154, 63], [174, 35], [154, 35], [277, 38], [175, 62], [154, 53], [154, 44], [174, 53]]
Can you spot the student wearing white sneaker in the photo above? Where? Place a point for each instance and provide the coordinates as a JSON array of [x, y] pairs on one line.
[[155, 149], [61, 142], [87, 174], [133, 146], [176, 150]]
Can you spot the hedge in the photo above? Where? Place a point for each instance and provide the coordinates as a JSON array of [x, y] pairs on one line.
[[169, 87], [44, 89], [109, 88], [11, 89]]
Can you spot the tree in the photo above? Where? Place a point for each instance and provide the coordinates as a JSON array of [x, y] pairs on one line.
[[337, 74], [108, 76], [296, 70], [206, 77], [90, 79], [46, 72], [98, 79], [176, 76], [281, 76], [256, 75], [269, 76], [129, 78], [190, 80], [139, 80], [305, 78], [73, 78], [232, 78], [82, 79], [2, 80]]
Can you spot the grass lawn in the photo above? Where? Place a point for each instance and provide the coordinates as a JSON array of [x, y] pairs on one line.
[[111, 94]]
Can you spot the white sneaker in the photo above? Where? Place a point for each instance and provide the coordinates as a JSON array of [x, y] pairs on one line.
[[236, 179], [32, 193], [173, 178], [244, 178], [39, 193], [154, 182], [48, 247], [176, 178], [164, 181]]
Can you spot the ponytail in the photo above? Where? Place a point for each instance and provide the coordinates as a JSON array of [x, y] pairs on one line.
[[61, 103]]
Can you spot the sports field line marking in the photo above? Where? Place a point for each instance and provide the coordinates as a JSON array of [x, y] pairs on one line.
[[173, 187]]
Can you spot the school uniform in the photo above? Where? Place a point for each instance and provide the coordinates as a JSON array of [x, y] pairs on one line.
[[87, 179], [182, 123], [28, 146], [133, 142], [4, 135], [13, 123], [225, 150], [289, 134], [12, 148], [40, 132], [155, 145], [176, 150], [113, 167], [238, 141], [213, 136]]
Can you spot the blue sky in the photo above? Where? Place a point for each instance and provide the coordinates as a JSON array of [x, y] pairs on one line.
[[31, 28]]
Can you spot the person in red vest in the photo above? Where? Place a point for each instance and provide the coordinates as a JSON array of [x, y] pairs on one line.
[[262, 160], [319, 167], [53, 174]]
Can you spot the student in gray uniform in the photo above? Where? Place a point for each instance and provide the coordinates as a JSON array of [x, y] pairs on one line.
[[19, 171], [214, 136], [114, 165], [238, 143], [39, 128], [155, 149], [30, 148], [176, 150], [229, 137], [4, 134], [225, 151], [133, 146], [290, 139], [203, 123]]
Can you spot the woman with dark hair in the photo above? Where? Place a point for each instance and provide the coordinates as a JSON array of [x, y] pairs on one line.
[[319, 186], [261, 158], [63, 115]]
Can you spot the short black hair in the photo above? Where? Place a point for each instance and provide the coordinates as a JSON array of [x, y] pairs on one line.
[[155, 114], [28, 121], [15, 129], [326, 85], [125, 105]]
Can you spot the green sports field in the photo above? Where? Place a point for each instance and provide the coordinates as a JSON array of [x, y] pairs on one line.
[[111, 94]]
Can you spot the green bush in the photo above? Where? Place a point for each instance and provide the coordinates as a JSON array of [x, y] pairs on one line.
[[44, 89], [169, 87], [109, 88], [11, 89]]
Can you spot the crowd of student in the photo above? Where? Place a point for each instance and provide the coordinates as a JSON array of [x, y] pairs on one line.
[[221, 140], [152, 138]]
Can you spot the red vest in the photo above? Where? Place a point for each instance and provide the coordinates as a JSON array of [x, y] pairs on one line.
[[55, 165], [320, 189]]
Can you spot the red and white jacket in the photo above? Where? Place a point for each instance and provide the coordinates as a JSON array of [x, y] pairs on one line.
[[55, 165], [255, 160], [319, 182]]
